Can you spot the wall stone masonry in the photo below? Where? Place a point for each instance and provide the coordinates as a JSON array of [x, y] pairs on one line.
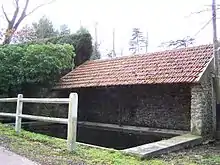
[[203, 120], [157, 106]]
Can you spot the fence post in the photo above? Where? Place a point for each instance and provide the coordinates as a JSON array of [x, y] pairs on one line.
[[72, 122], [18, 112]]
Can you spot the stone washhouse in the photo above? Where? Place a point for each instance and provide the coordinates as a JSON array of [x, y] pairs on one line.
[[170, 89]]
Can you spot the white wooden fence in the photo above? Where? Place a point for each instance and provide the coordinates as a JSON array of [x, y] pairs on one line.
[[71, 121]]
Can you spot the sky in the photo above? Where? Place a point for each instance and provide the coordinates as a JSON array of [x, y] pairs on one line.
[[164, 20]]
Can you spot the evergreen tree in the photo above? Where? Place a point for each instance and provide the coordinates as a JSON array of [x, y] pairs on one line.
[[137, 42], [64, 30], [44, 28]]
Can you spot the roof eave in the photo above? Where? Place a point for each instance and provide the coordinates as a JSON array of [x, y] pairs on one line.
[[199, 78], [113, 85]]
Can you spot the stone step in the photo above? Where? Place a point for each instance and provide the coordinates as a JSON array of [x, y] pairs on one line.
[[165, 146]]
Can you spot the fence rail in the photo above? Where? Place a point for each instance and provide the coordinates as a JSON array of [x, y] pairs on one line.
[[71, 121], [45, 100], [45, 119], [8, 100], [7, 114]]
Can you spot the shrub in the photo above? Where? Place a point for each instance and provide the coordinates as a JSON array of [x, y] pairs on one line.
[[81, 41], [27, 68]]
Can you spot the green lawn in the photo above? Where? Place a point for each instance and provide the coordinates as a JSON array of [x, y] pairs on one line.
[[52, 151]]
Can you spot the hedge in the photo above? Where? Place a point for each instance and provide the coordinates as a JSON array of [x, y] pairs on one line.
[[27, 68], [81, 41]]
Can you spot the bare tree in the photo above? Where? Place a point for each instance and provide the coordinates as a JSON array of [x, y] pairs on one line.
[[180, 43], [19, 14]]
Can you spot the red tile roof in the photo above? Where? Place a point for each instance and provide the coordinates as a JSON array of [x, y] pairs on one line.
[[171, 66]]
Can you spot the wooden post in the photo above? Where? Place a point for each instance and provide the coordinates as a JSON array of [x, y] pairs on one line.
[[72, 122], [18, 112]]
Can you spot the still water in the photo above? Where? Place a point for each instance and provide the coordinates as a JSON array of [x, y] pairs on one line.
[[105, 138]]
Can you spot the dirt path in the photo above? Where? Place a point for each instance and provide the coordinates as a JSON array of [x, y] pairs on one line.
[[10, 158]]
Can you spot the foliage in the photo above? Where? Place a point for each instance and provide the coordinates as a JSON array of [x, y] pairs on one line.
[[83, 46], [26, 34], [64, 30], [180, 43], [44, 32], [111, 54], [137, 41], [81, 41], [44, 28], [24, 66]]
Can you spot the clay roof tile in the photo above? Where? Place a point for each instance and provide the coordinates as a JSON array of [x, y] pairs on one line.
[[171, 66]]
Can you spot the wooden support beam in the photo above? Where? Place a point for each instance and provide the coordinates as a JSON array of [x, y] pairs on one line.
[[72, 122], [132, 129], [18, 113]]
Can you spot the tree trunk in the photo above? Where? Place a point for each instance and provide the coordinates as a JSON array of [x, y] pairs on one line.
[[7, 40]]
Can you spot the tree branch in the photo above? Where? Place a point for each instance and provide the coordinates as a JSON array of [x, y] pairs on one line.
[[13, 24], [23, 15], [40, 7], [15, 13], [201, 11], [16, 2], [5, 14]]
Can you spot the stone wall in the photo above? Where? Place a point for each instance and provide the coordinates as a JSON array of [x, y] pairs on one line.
[[158, 106], [203, 105]]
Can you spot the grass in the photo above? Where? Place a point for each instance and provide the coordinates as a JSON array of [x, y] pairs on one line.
[[52, 151]]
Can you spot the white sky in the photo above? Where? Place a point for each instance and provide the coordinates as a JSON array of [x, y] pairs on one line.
[[163, 19]]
